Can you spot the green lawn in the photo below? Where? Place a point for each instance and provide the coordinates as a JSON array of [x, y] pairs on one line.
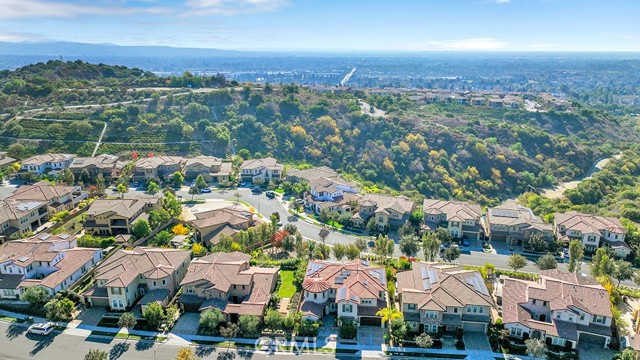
[[286, 284]]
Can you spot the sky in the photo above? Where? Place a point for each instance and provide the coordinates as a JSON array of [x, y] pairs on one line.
[[340, 25]]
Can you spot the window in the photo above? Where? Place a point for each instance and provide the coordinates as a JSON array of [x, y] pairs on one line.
[[480, 310], [155, 283], [116, 291], [434, 328], [346, 307], [411, 306], [582, 317], [455, 310], [557, 341], [598, 319], [544, 303], [315, 296], [164, 282], [516, 332], [533, 301], [431, 314], [558, 316]]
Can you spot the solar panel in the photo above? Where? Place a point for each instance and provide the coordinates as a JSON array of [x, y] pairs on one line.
[[64, 236], [24, 258], [505, 213], [27, 206]]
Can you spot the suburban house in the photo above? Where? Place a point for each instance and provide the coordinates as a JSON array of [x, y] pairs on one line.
[[117, 216], [461, 219], [351, 290], [226, 282], [156, 167], [265, 169], [561, 309], [6, 160], [312, 174], [211, 168], [438, 297], [52, 262], [107, 165], [387, 211], [333, 194], [592, 230], [478, 101], [144, 273], [57, 197], [211, 225], [18, 218], [514, 223], [46, 163]]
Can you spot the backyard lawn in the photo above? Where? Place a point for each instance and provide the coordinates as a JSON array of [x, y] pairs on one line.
[[286, 284]]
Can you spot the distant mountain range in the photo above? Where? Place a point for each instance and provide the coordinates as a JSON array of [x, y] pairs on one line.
[[81, 49]]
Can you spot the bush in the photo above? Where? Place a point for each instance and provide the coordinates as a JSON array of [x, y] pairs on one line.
[[348, 329], [89, 241], [307, 328], [209, 321], [248, 325]]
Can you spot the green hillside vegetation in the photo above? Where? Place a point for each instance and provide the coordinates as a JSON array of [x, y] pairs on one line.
[[444, 151]]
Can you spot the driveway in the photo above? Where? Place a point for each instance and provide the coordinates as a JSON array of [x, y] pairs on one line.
[[91, 316], [187, 324], [593, 352], [370, 336], [476, 341]]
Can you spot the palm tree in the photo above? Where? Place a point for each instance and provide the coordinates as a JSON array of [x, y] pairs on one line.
[[389, 314]]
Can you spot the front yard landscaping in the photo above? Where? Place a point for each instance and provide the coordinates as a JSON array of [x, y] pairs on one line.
[[287, 289]]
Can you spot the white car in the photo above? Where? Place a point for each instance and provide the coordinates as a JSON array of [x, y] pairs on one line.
[[41, 328]]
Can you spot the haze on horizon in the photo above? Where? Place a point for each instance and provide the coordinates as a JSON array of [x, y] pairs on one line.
[[374, 25]]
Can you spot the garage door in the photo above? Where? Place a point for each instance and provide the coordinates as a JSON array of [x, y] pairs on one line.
[[473, 327], [96, 301], [502, 238], [592, 339], [370, 321]]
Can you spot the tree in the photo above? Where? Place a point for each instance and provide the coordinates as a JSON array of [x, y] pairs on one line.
[[180, 229], [601, 263], [352, 252], [516, 262], [383, 245], [398, 329], [153, 188], [430, 246], [35, 295], [229, 332], [122, 189], [60, 310], [273, 319], [536, 243], [186, 353], [100, 183], [623, 271], [200, 182], [198, 249], [96, 354], [339, 251], [388, 314], [348, 329], [627, 354], [409, 245], [67, 177], [193, 191], [576, 253], [444, 236], [177, 179], [172, 313], [153, 313], [361, 244], [424, 341], [547, 262], [157, 217], [323, 234], [209, 321], [537, 348], [161, 239], [416, 217], [248, 325], [172, 205], [127, 320], [451, 253], [141, 229]]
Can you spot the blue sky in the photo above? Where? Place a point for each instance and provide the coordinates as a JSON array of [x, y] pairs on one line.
[[390, 25]]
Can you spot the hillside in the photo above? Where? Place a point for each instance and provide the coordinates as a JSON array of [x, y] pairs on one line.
[[445, 151]]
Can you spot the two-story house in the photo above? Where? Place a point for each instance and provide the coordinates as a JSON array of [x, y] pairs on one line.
[[592, 230], [151, 274], [514, 224], [52, 262], [117, 216], [46, 163], [213, 170], [18, 218], [438, 297], [334, 194], [561, 309], [387, 211], [352, 290], [309, 175], [6, 160], [212, 224], [156, 167], [107, 165], [461, 219], [226, 282], [57, 197], [266, 169]]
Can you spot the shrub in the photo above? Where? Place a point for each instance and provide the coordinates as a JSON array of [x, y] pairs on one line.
[[348, 329], [210, 320]]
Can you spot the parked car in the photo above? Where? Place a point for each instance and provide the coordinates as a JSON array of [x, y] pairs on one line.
[[243, 184], [41, 328], [205, 191], [270, 194], [371, 244], [256, 190], [465, 242]]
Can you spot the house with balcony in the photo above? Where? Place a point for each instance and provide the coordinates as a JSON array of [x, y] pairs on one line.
[[213, 170], [211, 225], [46, 163], [514, 224], [226, 282], [335, 194], [593, 231], [57, 197], [156, 167], [388, 212], [462, 220], [350, 290], [438, 297], [266, 169], [138, 276], [107, 165], [53, 262], [117, 216], [19, 218], [561, 309]]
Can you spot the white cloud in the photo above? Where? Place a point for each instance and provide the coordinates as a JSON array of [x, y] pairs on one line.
[[14, 9], [231, 7], [15, 37], [502, 1], [463, 44]]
